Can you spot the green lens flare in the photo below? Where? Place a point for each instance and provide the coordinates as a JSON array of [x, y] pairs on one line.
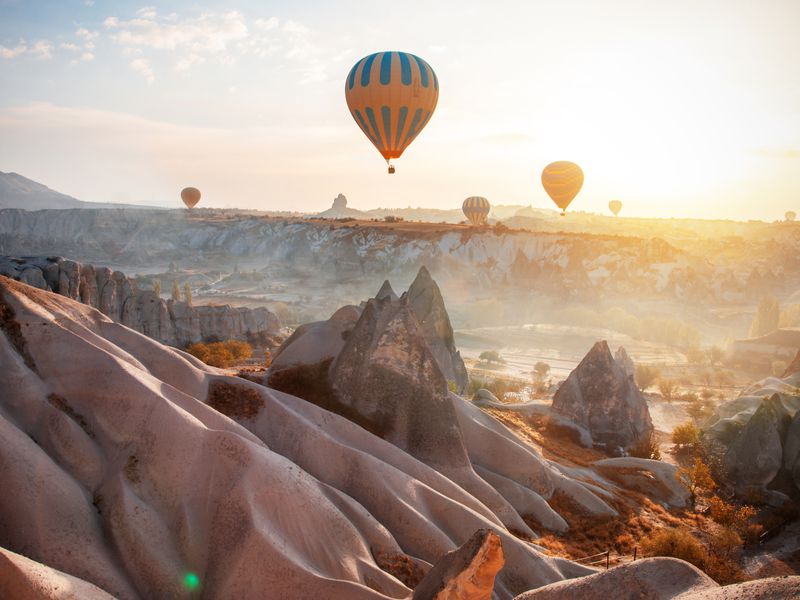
[[191, 581]]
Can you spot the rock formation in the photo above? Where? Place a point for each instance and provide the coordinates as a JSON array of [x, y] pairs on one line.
[[162, 470], [663, 579], [428, 306], [339, 202], [171, 322], [625, 361], [387, 379], [755, 456], [759, 435], [466, 573], [375, 366], [602, 398]]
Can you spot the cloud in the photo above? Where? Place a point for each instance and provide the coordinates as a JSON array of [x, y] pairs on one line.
[[87, 57], [88, 2], [207, 33], [17, 50], [142, 66], [42, 50], [68, 46]]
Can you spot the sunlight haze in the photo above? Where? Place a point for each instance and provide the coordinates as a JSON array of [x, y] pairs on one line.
[[679, 109]]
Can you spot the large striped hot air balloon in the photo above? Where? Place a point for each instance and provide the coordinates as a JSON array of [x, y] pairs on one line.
[[190, 196], [391, 96], [615, 206], [476, 209], [562, 180]]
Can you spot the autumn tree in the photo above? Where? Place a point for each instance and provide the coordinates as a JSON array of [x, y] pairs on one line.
[[696, 477], [157, 287], [187, 293], [646, 376], [176, 291]]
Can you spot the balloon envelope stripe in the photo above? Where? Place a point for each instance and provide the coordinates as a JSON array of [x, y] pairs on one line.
[[374, 124], [364, 127], [366, 69], [401, 123], [386, 68], [413, 127], [386, 115], [405, 68], [423, 72]]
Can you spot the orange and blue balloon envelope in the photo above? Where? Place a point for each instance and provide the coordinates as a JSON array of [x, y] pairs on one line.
[[615, 206], [562, 180], [476, 209], [391, 96], [190, 196]]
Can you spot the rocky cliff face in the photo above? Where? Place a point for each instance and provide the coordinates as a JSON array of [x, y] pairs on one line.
[[759, 436], [561, 264], [600, 396], [111, 292]]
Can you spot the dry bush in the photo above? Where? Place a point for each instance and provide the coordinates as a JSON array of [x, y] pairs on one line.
[[728, 514], [221, 354], [646, 447], [686, 434], [675, 542], [624, 544], [667, 388]]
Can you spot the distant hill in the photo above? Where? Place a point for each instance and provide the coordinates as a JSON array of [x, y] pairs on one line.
[[17, 191]]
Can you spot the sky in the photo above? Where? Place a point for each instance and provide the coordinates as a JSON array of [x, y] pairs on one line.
[[688, 108]]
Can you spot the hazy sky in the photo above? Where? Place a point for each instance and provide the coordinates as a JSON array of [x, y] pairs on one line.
[[680, 108]]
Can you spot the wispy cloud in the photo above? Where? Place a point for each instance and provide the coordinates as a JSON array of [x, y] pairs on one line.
[[142, 66], [209, 32], [42, 50], [13, 52]]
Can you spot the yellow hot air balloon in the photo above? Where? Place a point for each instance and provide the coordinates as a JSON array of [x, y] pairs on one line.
[[391, 96], [562, 180], [790, 215], [476, 209], [615, 206], [190, 196]]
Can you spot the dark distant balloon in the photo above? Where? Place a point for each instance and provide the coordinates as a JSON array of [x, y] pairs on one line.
[[562, 180], [476, 209], [391, 96], [790, 215], [615, 206], [190, 196]]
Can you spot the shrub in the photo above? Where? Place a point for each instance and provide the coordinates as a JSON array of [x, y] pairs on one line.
[[646, 447], [646, 376], [221, 354], [686, 434], [728, 514], [491, 356], [667, 388], [541, 369], [677, 543]]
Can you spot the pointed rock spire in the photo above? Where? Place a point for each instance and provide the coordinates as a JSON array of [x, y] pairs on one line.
[[386, 291]]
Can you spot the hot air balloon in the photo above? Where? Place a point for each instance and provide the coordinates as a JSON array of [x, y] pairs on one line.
[[476, 209], [615, 206], [562, 180], [190, 196], [391, 96], [790, 215]]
